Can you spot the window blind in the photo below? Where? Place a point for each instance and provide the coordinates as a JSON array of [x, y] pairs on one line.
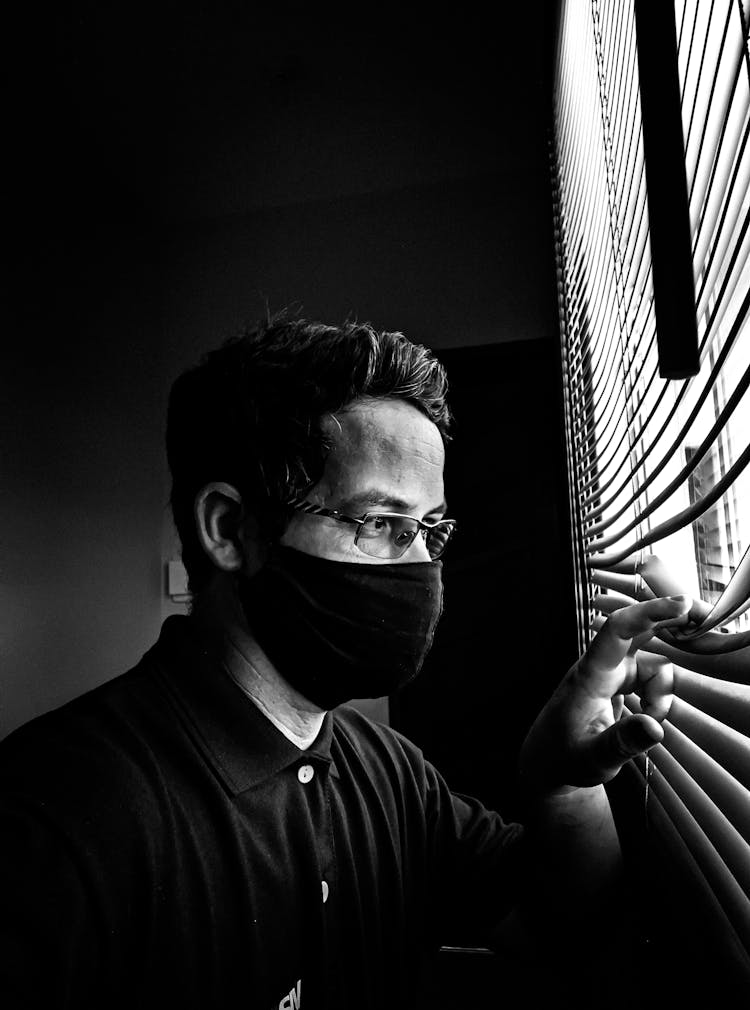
[[659, 475]]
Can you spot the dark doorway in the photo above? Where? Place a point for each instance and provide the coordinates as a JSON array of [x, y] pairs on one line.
[[508, 631]]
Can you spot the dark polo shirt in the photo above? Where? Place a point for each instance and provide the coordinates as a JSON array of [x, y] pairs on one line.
[[163, 844]]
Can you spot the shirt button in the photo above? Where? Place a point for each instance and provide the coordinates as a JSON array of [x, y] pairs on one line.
[[305, 773], [324, 886]]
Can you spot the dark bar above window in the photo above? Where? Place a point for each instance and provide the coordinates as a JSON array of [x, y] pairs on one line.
[[666, 184]]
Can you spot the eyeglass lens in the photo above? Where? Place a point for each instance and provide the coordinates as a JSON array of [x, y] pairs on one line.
[[391, 536]]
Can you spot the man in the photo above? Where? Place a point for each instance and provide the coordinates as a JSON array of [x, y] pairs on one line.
[[210, 829]]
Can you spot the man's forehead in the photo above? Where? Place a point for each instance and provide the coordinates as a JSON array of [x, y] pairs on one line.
[[385, 444], [381, 426]]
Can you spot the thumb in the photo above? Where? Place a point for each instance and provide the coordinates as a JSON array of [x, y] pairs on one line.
[[609, 750]]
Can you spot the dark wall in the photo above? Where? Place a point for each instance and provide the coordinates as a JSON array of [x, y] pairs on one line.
[[458, 262], [82, 500]]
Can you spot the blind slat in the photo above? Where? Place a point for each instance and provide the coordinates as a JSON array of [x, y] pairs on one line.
[[729, 844], [725, 745], [660, 582], [724, 666], [678, 521], [733, 601], [700, 782], [733, 899], [626, 585], [724, 700], [732, 798], [711, 923], [679, 479]]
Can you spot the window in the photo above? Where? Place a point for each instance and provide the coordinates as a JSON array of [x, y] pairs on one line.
[[659, 474]]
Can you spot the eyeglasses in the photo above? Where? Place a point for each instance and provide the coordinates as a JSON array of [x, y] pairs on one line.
[[386, 534]]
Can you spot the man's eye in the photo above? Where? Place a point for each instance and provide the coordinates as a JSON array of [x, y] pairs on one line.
[[376, 526]]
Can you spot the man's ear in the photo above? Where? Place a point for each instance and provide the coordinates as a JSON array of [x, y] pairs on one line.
[[219, 514]]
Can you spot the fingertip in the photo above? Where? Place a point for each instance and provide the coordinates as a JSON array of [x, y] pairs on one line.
[[653, 731], [658, 709], [643, 731]]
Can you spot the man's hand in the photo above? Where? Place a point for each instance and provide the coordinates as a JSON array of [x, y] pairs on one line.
[[573, 902], [579, 737]]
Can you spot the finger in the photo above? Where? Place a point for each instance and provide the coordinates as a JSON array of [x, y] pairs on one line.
[[655, 680], [628, 671], [642, 640], [612, 643], [663, 583], [641, 617], [604, 754], [618, 704]]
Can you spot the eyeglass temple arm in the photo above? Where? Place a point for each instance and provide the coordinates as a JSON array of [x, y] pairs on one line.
[[299, 505]]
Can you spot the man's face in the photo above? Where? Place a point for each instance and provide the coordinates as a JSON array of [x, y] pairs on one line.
[[386, 456]]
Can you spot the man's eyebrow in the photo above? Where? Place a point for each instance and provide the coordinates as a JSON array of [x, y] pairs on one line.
[[376, 496]]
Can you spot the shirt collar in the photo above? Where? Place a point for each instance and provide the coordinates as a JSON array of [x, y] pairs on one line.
[[243, 746]]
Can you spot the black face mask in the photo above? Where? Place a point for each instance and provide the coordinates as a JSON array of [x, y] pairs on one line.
[[338, 630]]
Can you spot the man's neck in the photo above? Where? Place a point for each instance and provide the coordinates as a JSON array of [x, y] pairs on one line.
[[298, 719], [217, 614]]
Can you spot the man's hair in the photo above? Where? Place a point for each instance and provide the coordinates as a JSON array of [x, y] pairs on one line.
[[249, 414]]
